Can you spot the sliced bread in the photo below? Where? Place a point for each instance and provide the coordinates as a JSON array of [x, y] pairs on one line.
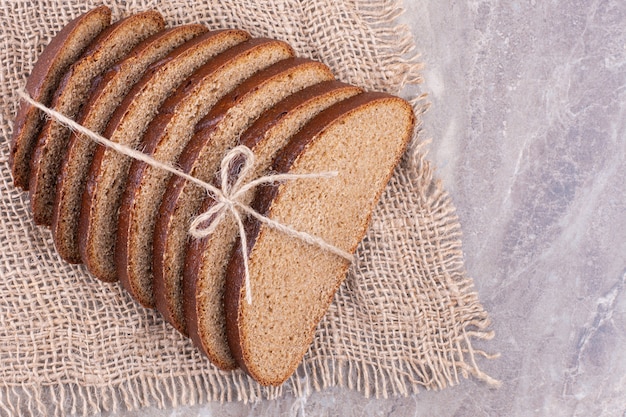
[[111, 45], [206, 259], [109, 170], [165, 138], [107, 94], [292, 282], [218, 132], [62, 51]]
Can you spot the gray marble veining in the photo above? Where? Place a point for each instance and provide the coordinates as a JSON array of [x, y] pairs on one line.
[[528, 128], [529, 132]]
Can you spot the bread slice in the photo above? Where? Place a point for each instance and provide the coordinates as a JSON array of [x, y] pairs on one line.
[[167, 135], [62, 51], [292, 282], [111, 45], [206, 259], [218, 132], [107, 94], [109, 170]]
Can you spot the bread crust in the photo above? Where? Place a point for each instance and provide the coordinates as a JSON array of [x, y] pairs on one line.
[[41, 85], [234, 296]]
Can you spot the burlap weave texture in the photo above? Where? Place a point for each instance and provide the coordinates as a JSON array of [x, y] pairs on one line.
[[404, 319]]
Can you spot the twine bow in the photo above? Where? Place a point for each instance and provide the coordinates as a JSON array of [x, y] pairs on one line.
[[226, 198]]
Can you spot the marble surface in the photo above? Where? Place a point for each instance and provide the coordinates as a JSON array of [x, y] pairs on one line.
[[528, 128]]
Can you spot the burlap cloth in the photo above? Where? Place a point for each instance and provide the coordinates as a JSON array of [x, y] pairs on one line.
[[404, 319]]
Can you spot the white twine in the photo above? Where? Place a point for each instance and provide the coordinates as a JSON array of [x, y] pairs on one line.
[[226, 198]]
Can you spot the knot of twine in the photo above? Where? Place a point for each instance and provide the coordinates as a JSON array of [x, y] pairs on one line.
[[227, 198]]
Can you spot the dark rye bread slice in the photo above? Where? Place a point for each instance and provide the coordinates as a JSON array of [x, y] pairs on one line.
[[62, 51], [206, 259], [109, 170], [165, 138], [106, 95], [293, 283], [218, 132], [109, 47]]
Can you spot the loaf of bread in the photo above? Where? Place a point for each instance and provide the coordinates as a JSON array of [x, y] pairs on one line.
[[186, 96]]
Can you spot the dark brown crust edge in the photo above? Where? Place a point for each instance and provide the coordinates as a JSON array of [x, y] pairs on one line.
[[250, 138], [28, 115], [262, 203]]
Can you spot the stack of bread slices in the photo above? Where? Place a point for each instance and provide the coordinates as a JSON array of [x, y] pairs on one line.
[[186, 96]]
